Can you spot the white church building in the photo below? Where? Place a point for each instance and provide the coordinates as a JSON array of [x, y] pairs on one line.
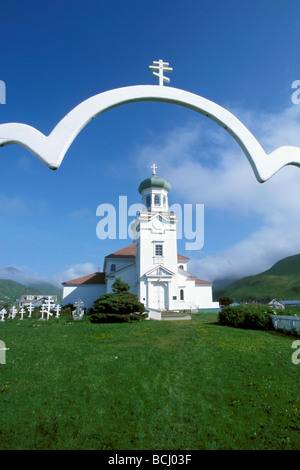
[[156, 273]]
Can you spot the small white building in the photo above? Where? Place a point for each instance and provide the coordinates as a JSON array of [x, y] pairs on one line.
[[36, 300], [156, 273], [282, 304]]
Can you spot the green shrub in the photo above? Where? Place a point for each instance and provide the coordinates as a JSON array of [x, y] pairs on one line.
[[232, 316], [109, 318], [115, 318], [119, 302], [254, 317]]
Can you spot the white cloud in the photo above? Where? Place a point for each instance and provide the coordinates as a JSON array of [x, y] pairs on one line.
[[21, 274], [74, 271]]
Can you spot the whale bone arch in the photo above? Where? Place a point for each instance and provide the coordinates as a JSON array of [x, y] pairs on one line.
[[51, 149]]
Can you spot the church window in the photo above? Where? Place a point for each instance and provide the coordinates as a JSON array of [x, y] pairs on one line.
[[148, 201], [181, 266], [156, 200], [158, 250], [113, 268], [181, 294]]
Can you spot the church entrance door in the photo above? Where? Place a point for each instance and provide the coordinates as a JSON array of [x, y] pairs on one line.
[[160, 295]]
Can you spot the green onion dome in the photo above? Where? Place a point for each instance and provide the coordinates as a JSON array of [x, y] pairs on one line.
[[154, 182]]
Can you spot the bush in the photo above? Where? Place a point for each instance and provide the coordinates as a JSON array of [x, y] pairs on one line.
[[109, 318], [254, 317], [121, 303], [115, 318], [231, 316]]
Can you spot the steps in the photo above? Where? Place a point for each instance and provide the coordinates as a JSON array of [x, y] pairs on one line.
[[176, 315]]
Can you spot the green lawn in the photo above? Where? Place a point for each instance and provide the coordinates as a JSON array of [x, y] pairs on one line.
[[147, 385]]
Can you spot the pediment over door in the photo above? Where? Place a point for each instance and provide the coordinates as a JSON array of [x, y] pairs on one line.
[[159, 271]]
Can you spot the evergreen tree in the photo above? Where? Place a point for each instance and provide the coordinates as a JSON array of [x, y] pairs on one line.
[[120, 287], [118, 305]]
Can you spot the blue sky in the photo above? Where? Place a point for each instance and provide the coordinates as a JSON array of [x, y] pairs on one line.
[[243, 55]]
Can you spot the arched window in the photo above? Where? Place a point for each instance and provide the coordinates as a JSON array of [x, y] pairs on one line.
[[156, 200], [181, 294], [113, 268], [181, 266], [148, 201]]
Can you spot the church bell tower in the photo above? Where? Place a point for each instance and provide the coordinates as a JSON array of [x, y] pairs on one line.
[[156, 246]]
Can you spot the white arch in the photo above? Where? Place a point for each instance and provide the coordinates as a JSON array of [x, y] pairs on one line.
[[52, 149]]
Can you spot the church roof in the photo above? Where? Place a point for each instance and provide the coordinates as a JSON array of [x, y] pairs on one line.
[[129, 252], [199, 281], [94, 278], [154, 182], [181, 257]]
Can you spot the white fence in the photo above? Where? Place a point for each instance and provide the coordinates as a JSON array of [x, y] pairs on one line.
[[286, 323]]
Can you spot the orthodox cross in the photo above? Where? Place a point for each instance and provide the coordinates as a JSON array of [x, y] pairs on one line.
[[2, 313], [49, 314], [160, 66], [57, 309], [78, 304], [154, 168], [43, 310], [30, 309], [13, 312]]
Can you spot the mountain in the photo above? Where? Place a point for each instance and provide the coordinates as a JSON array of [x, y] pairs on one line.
[[45, 288], [281, 281], [12, 290], [223, 282]]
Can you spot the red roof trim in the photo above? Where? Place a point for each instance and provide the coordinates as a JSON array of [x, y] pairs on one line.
[[199, 281], [182, 257], [128, 252], [94, 278]]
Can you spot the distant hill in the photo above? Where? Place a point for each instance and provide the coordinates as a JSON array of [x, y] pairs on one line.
[[12, 290], [45, 288], [281, 281]]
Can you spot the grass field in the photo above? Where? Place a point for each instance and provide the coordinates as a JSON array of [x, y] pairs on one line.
[[146, 386]]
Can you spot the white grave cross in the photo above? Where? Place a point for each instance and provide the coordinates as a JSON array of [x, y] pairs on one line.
[[22, 311], [2, 313], [79, 312], [57, 309], [13, 312], [49, 303], [30, 309], [43, 310]]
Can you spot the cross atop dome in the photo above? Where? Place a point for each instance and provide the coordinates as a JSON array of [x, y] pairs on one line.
[[154, 168]]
